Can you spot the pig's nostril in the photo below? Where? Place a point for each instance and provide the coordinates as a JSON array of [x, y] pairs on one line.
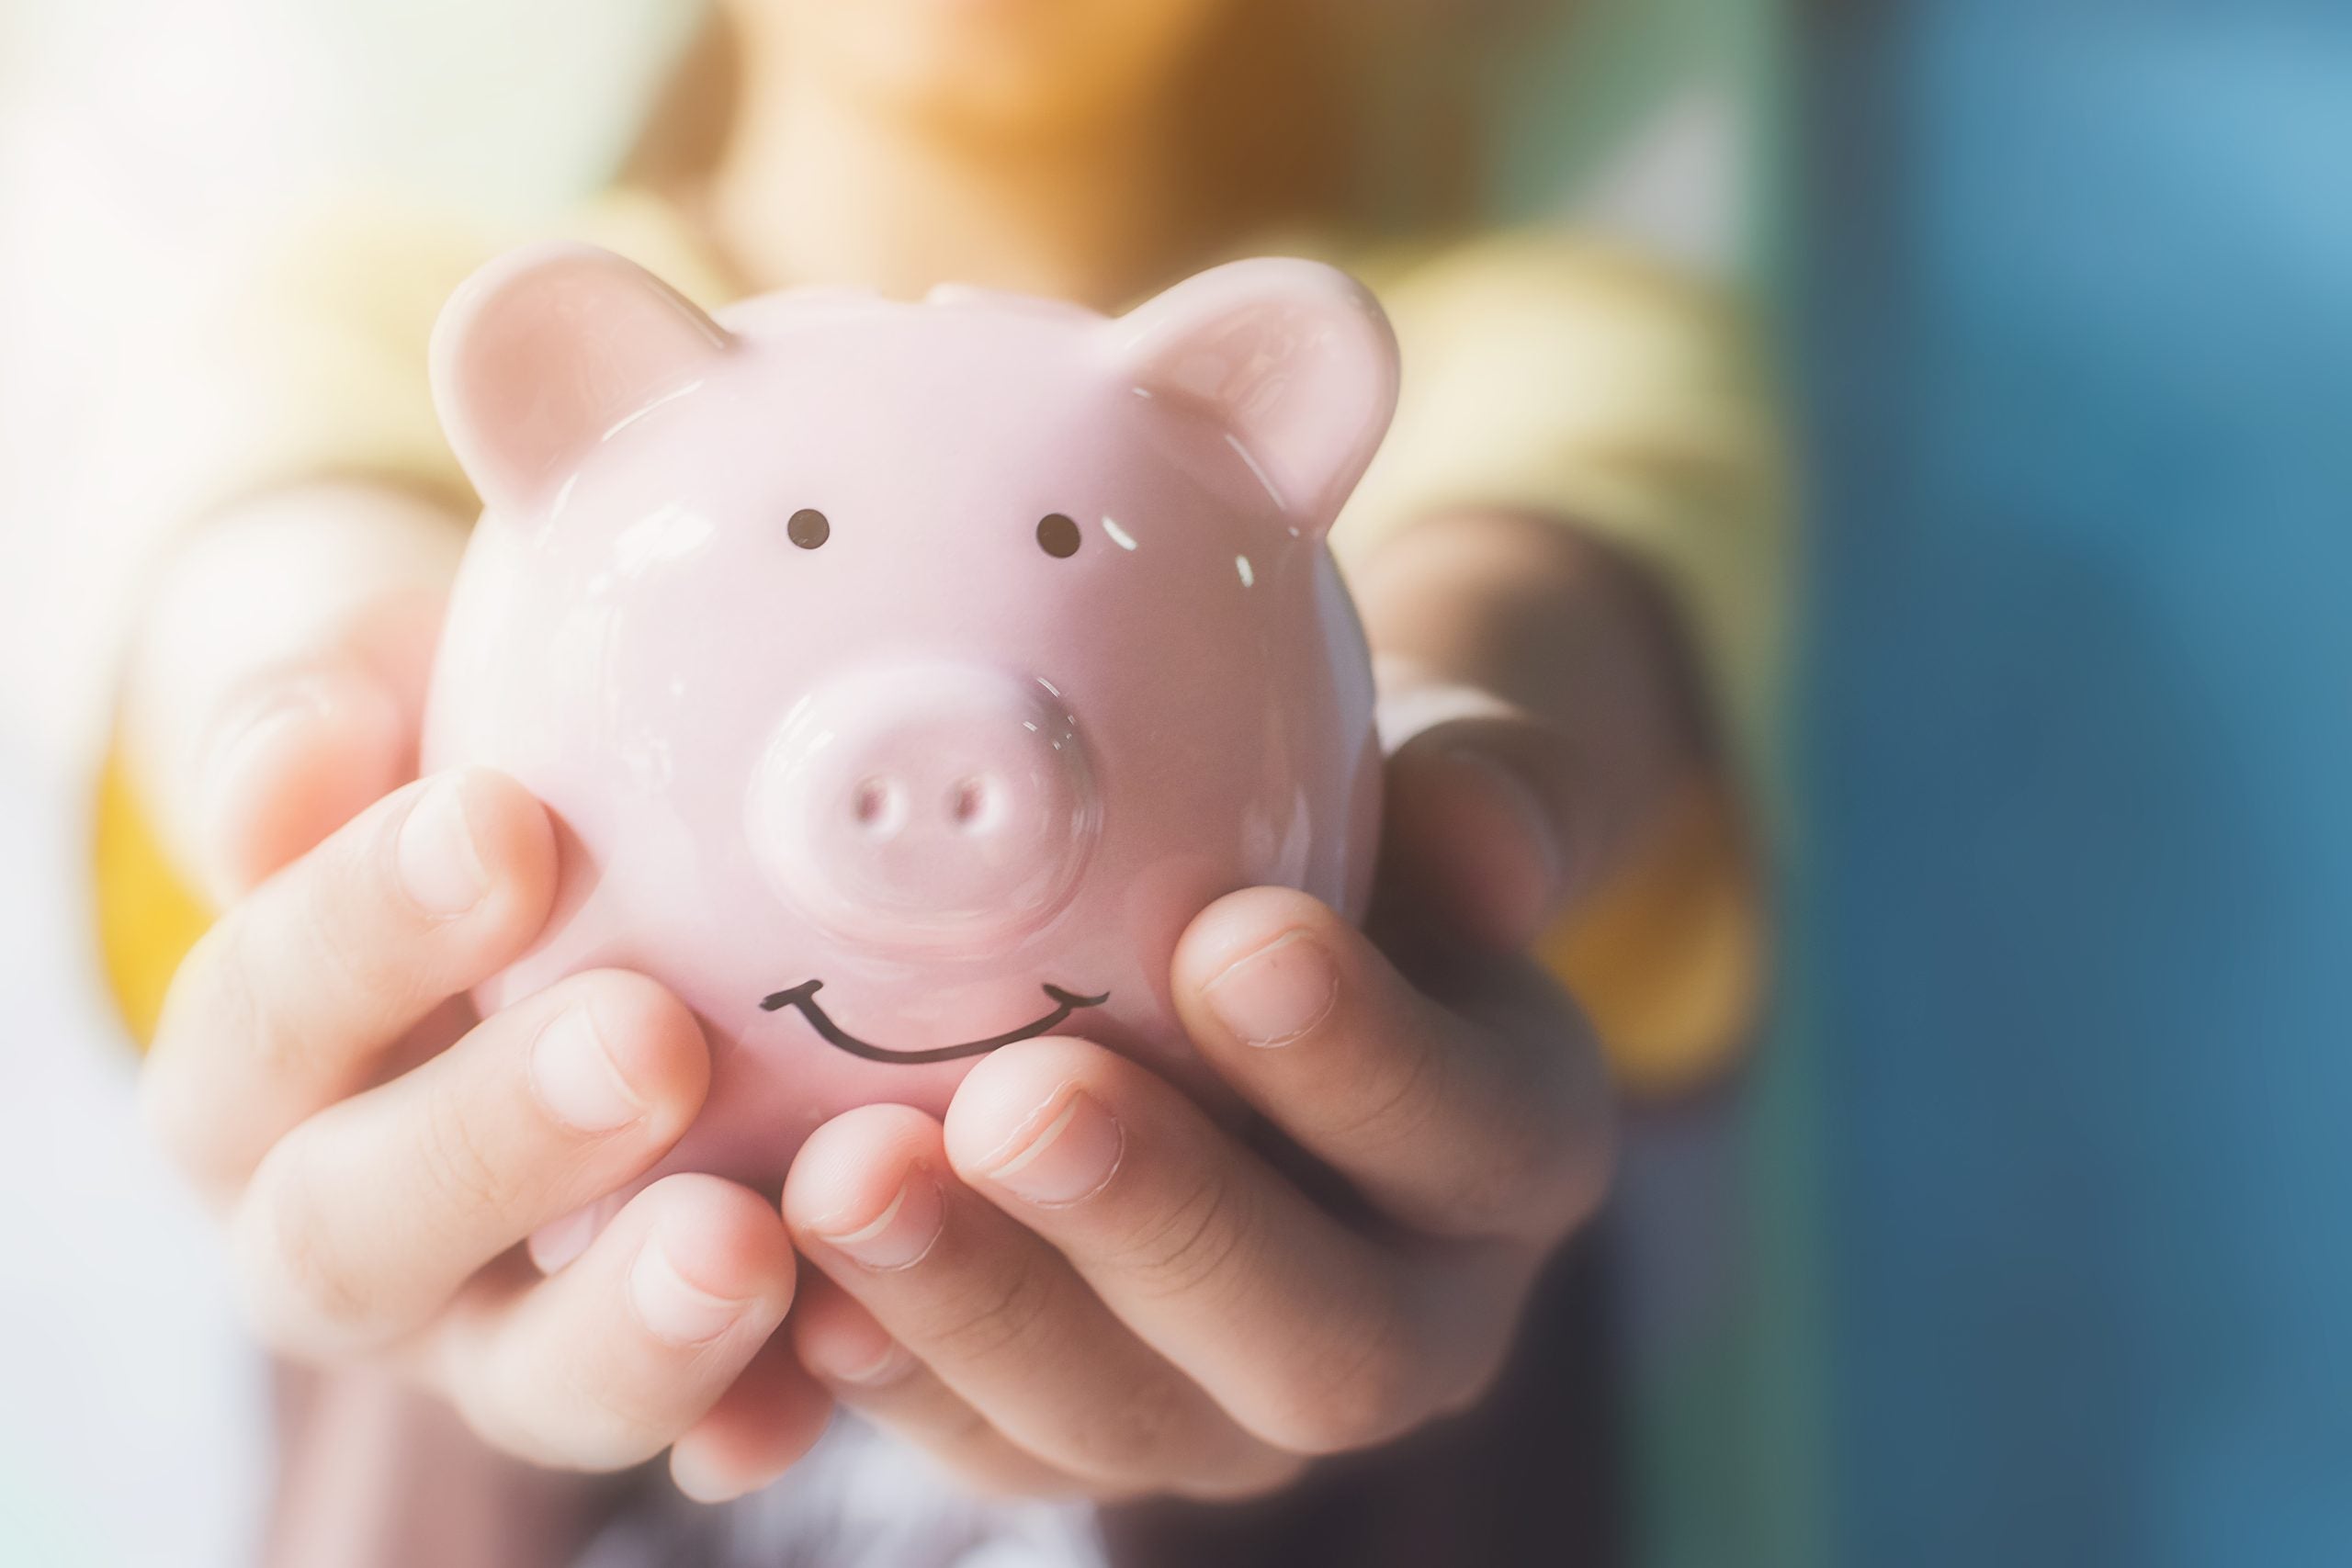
[[926, 807], [972, 804], [877, 804]]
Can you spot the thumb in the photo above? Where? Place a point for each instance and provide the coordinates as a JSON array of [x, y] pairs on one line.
[[278, 682], [1490, 826], [297, 752]]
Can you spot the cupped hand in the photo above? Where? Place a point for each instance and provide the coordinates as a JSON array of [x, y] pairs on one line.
[[377, 1151], [1079, 1283]]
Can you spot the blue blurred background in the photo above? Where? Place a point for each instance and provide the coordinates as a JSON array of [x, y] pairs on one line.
[[2078, 775]]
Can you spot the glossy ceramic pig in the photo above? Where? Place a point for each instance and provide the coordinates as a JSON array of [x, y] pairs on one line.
[[904, 678]]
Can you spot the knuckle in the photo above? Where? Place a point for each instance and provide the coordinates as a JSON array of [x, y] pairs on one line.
[[605, 1426], [213, 1010], [1566, 1193], [1135, 1433], [344, 948], [251, 1013], [993, 1317], [1363, 1386], [1484, 1290], [1194, 1241], [553, 1407], [1404, 1086], [212, 995], [955, 1426], [1521, 1180], [458, 1161], [303, 1292], [1553, 1163]]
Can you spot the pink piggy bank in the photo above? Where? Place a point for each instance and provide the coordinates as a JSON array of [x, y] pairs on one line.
[[904, 678]]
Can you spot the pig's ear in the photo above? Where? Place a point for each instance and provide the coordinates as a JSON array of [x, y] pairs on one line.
[[541, 353], [1293, 357]]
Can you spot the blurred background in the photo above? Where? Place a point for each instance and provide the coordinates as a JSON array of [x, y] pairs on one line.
[[2025, 1239]]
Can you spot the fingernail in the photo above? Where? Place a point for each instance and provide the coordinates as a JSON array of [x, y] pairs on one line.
[[437, 863], [672, 1309], [901, 1234], [576, 1080], [1072, 1157], [1278, 993]]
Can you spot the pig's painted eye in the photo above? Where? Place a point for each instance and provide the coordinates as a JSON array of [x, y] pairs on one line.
[[807, 529], [1056, 535]]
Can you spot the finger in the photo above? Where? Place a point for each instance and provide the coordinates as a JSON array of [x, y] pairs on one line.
[[365, 1219], [996, 1313], [610, 1360], [1493, 1125], [1310, 1336], [335, 587], [286, 1003], [1535, 700], [853, 1356], [296, 754], [1491, 822], [764, 1425], [313, 744]]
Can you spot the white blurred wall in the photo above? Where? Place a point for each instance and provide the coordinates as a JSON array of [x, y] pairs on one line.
[[140, 142]]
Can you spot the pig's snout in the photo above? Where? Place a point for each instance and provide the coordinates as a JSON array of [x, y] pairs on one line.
[[932, 807]]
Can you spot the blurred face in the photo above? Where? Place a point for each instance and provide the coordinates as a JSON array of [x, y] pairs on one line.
[[990, 65]]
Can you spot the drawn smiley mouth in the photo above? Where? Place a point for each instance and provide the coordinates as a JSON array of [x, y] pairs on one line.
[[804, 996]]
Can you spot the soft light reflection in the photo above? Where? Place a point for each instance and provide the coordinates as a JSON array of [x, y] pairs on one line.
[[1249, 459], [669, 534]]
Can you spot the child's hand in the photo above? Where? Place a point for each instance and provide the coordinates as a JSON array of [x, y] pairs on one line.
[[372, 1148], [1079, 1283], [375, 1184]]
